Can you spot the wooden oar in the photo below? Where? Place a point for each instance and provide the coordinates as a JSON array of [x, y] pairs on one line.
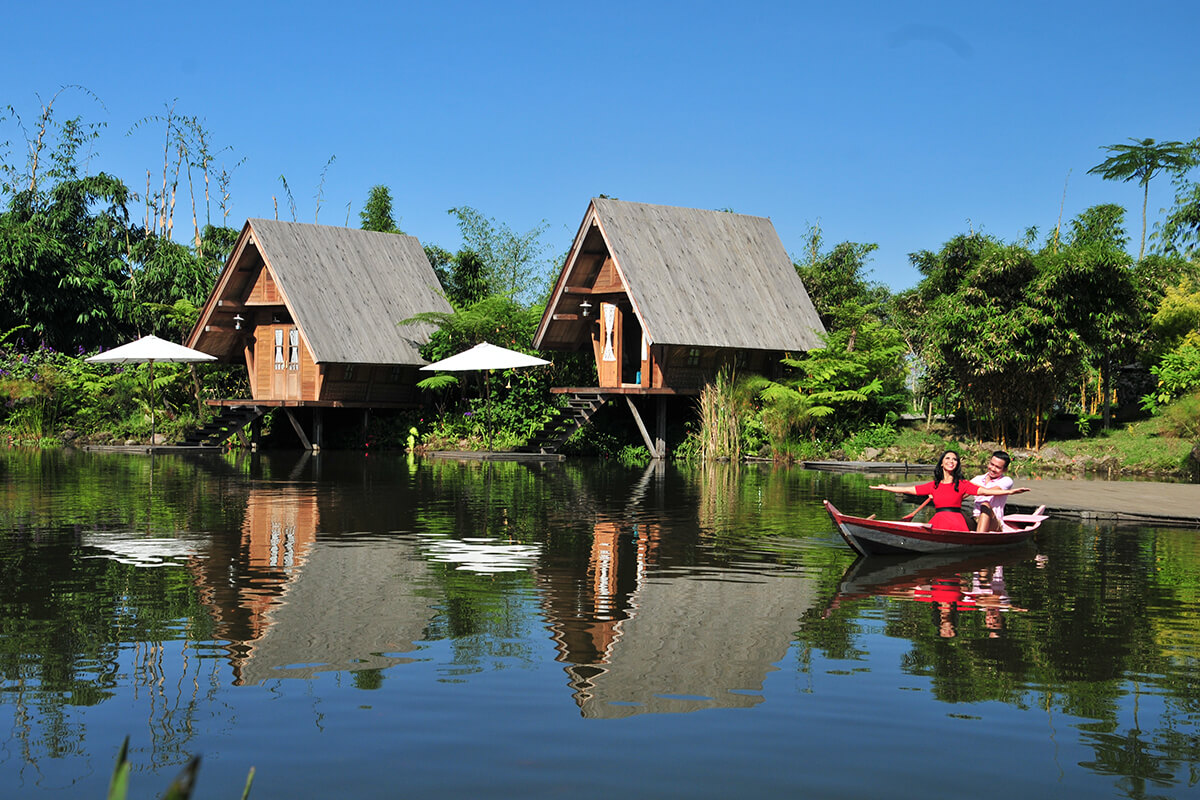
[[918, 508]]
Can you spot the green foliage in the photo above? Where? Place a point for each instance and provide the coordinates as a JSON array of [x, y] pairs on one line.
[[1102, 226], [859, 374], [633, 455], [44, 392], [1175, 330], [377, 214], [1141, 161], [1180, 231], [723, 405], [61, 267], [1178, 314], [878, 437], [72, 264], [1008, 331], [855, 381], [1152, 446], [1178, 373], [513, 404], [468, 281], [510, 264], [496, 319], [835, 278], [1157, 273], [1181, 418], [179, 789]]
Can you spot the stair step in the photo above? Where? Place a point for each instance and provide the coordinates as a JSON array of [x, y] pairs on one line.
[[225, 425], [578, 411]]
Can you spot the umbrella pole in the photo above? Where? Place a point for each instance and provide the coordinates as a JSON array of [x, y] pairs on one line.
[[487, 395], [152, 432]]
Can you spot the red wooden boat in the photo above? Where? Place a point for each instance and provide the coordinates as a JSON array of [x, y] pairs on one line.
[[870, 536]]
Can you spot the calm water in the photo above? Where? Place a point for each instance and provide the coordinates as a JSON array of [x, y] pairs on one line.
[[381, 627]]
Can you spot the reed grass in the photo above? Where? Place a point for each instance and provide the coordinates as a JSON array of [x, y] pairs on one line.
[[720, 434]]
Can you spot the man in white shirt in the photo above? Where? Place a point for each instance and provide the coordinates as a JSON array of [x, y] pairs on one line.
[[989, 510]]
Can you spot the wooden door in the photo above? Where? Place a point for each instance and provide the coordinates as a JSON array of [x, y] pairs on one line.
[[285, 363], [608, 367]]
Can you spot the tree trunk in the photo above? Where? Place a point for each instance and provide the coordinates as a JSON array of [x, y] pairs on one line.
[[1105, 376]]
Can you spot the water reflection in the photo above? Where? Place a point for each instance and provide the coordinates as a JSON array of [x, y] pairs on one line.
[[952, 582], [290, 605], [217, 610]]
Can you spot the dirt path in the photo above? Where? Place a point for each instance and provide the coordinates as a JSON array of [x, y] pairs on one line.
[[1125, 501]]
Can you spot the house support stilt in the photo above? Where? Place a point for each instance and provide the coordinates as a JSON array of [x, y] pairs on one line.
[[658, 445], [313, 444]]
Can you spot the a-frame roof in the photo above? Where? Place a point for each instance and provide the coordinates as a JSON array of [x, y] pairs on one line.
[[345, 289], [694, 277]]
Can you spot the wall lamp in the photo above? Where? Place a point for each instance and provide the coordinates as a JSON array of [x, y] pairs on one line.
[[585, 308], [238, 319]]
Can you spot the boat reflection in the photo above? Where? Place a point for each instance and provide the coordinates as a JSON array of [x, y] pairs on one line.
[[951, 582]]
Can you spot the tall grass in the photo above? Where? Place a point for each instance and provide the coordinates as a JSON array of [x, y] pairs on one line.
[[720, 434]]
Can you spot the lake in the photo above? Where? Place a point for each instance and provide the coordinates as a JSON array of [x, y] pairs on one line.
[[386, 626]]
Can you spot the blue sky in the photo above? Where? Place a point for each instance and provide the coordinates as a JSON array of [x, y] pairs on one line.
[[897, 123]]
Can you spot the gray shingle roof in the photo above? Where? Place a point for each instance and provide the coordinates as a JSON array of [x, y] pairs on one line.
[[699, 278], [709, 278], [348, 288]]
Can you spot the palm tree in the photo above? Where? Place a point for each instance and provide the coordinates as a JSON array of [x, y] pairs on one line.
[[1143, 160]]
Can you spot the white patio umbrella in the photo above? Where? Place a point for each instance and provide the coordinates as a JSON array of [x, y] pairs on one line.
[[147, 350], [485, 357]]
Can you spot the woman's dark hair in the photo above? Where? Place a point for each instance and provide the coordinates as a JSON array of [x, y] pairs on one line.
[[939, 473]]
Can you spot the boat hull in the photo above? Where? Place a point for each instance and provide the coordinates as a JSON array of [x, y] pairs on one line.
[[878, 537]]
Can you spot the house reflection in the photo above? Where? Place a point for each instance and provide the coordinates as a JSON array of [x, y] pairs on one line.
[[291, 604], [641, 636]]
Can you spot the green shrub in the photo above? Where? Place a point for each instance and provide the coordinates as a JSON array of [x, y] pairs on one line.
[[1181, 419], [879, 437], [1178, 373]]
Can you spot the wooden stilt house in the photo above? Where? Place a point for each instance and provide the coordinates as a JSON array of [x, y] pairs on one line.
[[664, 297], [313, 313]]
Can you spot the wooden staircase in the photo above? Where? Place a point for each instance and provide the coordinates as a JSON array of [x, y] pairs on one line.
[[225, 425], [580, 408]]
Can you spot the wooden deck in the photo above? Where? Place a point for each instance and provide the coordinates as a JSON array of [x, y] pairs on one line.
[[623, 390], [150, 449], [492, 455], [227, 402]]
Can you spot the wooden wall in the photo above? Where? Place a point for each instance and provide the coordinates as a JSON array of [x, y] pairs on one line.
[[369, 383], [353, 383], [684, 367]]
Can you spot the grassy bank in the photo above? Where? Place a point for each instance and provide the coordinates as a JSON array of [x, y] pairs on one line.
[[1153, 447]]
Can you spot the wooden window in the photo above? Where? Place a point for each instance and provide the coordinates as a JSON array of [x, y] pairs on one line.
[[348, 374], [693, 357], [294, 349], [279, 348]]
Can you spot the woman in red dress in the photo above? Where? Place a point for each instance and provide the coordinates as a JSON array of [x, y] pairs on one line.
[[948, 488]]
